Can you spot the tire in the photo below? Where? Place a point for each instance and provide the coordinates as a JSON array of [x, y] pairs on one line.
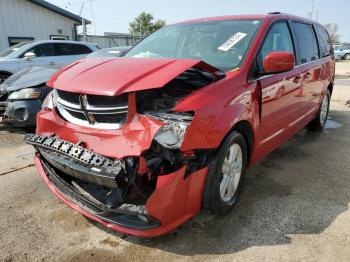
[[222, 203], [3, 77], [347, 56], [320, 121]]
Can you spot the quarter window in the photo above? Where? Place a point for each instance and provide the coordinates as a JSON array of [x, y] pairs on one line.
[[278, 39], [306, 42], [323, 41]]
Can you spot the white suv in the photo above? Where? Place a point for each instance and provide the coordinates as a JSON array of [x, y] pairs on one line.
[[42, 53], [340, 52]]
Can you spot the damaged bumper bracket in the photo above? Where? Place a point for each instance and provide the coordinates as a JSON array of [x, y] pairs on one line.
[[129, 216], [77, 161]]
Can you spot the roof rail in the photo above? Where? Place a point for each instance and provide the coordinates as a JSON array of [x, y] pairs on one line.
[[274, 13]]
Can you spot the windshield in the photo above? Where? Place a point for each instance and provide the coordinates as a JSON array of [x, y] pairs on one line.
[[222, 44], [14, 51], [110, 52]]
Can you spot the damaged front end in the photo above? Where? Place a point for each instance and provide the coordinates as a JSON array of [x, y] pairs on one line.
[[118, 159]]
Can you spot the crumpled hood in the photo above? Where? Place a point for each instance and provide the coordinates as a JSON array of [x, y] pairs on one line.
[[114, 76], [28, 77]]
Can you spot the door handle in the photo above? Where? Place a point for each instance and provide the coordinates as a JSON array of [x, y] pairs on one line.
[[297, 79], [52, 63]]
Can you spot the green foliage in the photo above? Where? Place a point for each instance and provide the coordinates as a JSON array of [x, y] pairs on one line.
[[144, 25], [332, 29]]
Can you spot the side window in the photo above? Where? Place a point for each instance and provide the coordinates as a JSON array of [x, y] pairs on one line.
[[277, 39], [80, 49], [306, 42], [42, 50], [62, 49], [323, 41]]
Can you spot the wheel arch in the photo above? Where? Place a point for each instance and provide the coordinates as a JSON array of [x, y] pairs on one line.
[[245, 128], [330, 88], [2, 72]]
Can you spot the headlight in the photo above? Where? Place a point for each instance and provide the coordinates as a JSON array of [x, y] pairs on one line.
[[28, 93], [172, 134], [50, 100]]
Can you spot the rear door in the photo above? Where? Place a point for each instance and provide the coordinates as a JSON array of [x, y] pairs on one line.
[[280, 91], [308, 61]]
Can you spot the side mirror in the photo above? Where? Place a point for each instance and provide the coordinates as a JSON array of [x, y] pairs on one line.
[[29, 56], [276, 62]]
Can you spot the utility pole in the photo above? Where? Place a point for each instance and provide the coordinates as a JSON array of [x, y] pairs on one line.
[[84, 30]]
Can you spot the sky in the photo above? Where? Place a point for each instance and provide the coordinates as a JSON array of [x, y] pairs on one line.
[[115, 16]]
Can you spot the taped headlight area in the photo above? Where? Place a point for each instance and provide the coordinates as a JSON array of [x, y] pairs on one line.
[[172, 134]]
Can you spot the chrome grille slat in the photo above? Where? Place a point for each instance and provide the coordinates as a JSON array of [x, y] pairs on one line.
[[93, 114]]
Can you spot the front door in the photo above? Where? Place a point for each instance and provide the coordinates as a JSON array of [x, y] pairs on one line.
[[280, 92]]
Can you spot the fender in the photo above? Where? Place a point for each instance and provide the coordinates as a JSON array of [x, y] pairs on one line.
[[233, 105]]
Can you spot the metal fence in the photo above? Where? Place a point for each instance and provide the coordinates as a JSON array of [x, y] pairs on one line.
[[113, 39]]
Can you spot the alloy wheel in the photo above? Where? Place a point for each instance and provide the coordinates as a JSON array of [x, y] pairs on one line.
[[324, 109], [231, 172]]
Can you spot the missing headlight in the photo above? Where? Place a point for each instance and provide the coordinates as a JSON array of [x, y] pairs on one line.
[[172, 134]]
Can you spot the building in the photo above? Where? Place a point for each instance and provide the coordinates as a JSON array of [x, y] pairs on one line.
[[23, 20]]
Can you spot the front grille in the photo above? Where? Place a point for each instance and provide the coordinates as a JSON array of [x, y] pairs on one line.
[[105, 112]]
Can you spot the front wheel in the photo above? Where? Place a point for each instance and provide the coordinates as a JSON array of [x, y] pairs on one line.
[[347, 57], [226, 175], [3, 77], [320, 121]]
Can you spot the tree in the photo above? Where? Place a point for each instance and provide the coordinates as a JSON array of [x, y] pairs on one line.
[[144, 25], [332, 29]]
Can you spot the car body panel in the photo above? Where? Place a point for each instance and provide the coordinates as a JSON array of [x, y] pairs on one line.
[[138, 74]]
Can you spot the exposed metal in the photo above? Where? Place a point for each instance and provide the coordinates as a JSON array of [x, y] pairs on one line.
[[74, 151]]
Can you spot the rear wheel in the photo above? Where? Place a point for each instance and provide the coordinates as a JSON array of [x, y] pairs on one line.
[[226, 175], [320, 121], [347, 57]]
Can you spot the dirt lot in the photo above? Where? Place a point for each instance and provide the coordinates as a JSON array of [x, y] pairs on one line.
[[294, 207]]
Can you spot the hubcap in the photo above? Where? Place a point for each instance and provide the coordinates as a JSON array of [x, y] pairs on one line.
[[324, 109], [231, 172]]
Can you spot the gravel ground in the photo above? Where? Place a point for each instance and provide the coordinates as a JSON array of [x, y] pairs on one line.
[[294, 207]]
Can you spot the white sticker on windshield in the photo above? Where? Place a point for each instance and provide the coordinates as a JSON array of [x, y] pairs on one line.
[[232, 41]]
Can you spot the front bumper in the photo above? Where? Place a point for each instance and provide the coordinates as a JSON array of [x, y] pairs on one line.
[[175, 201], [177, 195], [21, 113]]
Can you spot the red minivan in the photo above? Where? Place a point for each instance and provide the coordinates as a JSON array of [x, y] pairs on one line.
[[142, 143]]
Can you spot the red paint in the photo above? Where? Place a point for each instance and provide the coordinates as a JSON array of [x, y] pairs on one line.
[[276, 62], [289, 100]]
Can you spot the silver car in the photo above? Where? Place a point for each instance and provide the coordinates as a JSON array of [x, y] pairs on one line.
[[42, 53]]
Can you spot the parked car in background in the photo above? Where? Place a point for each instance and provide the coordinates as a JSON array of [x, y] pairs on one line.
[[111, 52], [341, 52], [42, 53], [22, 94], [142, 143]]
